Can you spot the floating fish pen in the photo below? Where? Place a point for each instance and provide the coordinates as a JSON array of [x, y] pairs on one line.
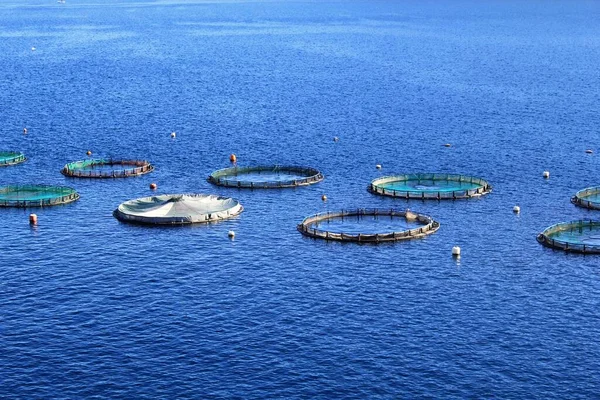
[[11, 158], [106, 168], [176, 209], [587, 198], [412, 225], [430, 186], [578, 236], [36, 196], [266, 177]]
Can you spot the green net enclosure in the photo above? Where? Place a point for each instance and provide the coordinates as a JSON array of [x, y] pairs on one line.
[[348, 225], [107, 168], [266, 177], [430, 186], [174, 209], [581, 236], [11, 158], [36, 195], [587, 198]]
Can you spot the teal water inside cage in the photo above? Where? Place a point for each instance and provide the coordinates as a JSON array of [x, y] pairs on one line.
[[430, 185], [33, 193], [588, 235], [266, 176]]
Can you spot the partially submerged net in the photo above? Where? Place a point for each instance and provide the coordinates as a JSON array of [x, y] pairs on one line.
[[11, 158], [36, 195], [170, 209], [106, 168], [587, 198], [345, 225], [430, 186], [578, 236], [266, 177]]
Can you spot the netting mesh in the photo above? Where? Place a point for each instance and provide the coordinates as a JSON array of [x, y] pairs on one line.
[[425, 225], [106, 168], [588, 198], [581, 236], [430, 186], [266, 177], [36, 195], [11, 158]]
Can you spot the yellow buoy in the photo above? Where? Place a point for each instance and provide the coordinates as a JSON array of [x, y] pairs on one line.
[[232, 158], [153, 186], [324, 198], [89, 153]]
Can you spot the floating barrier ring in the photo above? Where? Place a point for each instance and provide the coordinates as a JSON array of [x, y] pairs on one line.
[[174, 209], [266, 177], [587, 198], [309, 226], [11, 158], [106, 168], [430, 186], [36, 196], [578, 236]]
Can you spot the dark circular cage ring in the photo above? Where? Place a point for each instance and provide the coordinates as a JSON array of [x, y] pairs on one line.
[[117, 168], [234, 177], [428, 226]]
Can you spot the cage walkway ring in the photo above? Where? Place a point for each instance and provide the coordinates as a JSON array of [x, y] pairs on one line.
[[588, 198], [581, 236], [11, 158], [36, 196], [241, 177], [428, 226], [177, 209], [107, 168], [430, 186]]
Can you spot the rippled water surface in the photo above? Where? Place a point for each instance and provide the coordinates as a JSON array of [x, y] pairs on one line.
[[91, 307]]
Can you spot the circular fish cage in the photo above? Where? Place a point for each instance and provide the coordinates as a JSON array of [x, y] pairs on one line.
[[177, 209], [106, 168], [11, 158], [36, 196], [413, 225], [430, 186], [587, 198], [266, 177], [581, 236]]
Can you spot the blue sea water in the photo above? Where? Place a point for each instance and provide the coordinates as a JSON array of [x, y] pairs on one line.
[[94, 308]]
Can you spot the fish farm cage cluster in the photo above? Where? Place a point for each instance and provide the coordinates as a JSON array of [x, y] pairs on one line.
[[107, 168], [582, 236]]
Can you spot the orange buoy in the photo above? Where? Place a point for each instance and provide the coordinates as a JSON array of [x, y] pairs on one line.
[[153, 186], [89, 153], [232, 158], [33, 219]]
